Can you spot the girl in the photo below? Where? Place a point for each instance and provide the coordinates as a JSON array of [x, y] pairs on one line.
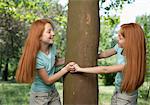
[[131, 67], [37, 64]]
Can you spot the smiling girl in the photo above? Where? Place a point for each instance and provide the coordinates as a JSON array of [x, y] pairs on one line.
[[131, 67], [37, 64]]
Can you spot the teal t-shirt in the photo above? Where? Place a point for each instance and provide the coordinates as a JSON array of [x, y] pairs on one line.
[[47, 62], [120, 60]]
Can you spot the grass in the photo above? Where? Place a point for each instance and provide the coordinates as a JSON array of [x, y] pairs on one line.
[[14, 94], [105, 94], [18, 94]]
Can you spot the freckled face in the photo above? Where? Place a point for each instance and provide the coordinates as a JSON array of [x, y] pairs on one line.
[[48, 34]]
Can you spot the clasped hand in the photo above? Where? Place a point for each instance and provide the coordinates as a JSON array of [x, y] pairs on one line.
[[72, 67]]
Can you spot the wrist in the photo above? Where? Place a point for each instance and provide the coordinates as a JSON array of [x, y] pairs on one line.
[[65, 70], [79, 70]]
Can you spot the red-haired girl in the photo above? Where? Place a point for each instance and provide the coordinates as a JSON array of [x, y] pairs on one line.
[[131, 67], [37, 64]]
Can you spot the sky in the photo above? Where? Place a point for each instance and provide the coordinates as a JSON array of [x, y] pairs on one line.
[[137, 8], [130, 11]]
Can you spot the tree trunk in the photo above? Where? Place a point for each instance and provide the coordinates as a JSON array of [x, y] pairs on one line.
[[5, 72], [82, 47], [0, 71]]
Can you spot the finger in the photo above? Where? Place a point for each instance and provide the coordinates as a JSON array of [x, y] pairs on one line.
[[72, 67], [76, 65], [72, 71], [72, 63]]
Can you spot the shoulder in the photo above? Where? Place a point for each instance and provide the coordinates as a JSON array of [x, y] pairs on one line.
[[39, 55], [39, 60], [117, 48]]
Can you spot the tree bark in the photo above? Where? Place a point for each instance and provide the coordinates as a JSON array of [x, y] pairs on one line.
[[82, 47]]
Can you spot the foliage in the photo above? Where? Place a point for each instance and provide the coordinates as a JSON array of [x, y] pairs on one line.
[[16, 17], [144, 91], [11, 39], [107, 41], [14, 93], [144, 21], [108, 25], [113, 5]]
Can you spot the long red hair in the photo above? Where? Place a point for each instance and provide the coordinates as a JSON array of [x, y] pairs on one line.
[[26, 67], [135, 54]]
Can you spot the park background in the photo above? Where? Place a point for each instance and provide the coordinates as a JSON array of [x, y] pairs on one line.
[[16, 17]]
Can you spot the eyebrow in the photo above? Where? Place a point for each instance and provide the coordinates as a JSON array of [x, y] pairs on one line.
[[49, 29]]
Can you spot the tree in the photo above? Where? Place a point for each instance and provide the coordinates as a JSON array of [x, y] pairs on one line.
[[144, 21], [107, 41], [82, 47], [10, 42], [109, 21], [116, 5], [15, 19]]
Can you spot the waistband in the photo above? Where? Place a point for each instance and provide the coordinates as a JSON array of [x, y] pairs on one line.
[[49, 93], [131, 93]]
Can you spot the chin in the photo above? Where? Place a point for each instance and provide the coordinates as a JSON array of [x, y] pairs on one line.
[[51, 42], [120, 46]]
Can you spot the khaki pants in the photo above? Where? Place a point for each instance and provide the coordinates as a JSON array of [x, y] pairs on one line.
[[41, 98], [119, 98]]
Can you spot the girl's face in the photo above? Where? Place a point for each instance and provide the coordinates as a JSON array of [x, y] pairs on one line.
[[48, 34], [121, 40]]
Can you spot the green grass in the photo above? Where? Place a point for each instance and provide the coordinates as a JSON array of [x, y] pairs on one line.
[[105, 94], [14, 94], [18, 94]]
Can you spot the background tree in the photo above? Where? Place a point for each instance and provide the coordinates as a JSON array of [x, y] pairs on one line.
[[145, 22], [108, 40], [109, 19], [17, 15], [15, 20]]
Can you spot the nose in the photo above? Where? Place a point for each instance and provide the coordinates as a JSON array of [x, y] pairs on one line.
[[52, 33]]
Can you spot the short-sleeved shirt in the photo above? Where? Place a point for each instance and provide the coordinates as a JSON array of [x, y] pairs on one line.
[[120, 60], [45, 62]]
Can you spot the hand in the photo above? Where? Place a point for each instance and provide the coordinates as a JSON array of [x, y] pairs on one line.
[[76, 68], [70, 67]]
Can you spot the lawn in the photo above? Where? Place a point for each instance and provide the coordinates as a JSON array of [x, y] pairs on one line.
[[18, 94]]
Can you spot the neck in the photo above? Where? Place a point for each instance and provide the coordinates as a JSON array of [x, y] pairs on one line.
[[45, 48]]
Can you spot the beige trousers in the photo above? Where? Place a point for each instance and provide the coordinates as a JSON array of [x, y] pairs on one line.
[[119, 98], [41, 98]]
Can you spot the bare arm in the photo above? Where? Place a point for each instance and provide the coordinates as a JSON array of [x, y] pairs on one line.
[[100, 69], [107, 53], [49, 80]]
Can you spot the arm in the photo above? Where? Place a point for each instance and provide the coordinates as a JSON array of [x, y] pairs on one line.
[[107, 53], [49, 80], [100, 69]]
